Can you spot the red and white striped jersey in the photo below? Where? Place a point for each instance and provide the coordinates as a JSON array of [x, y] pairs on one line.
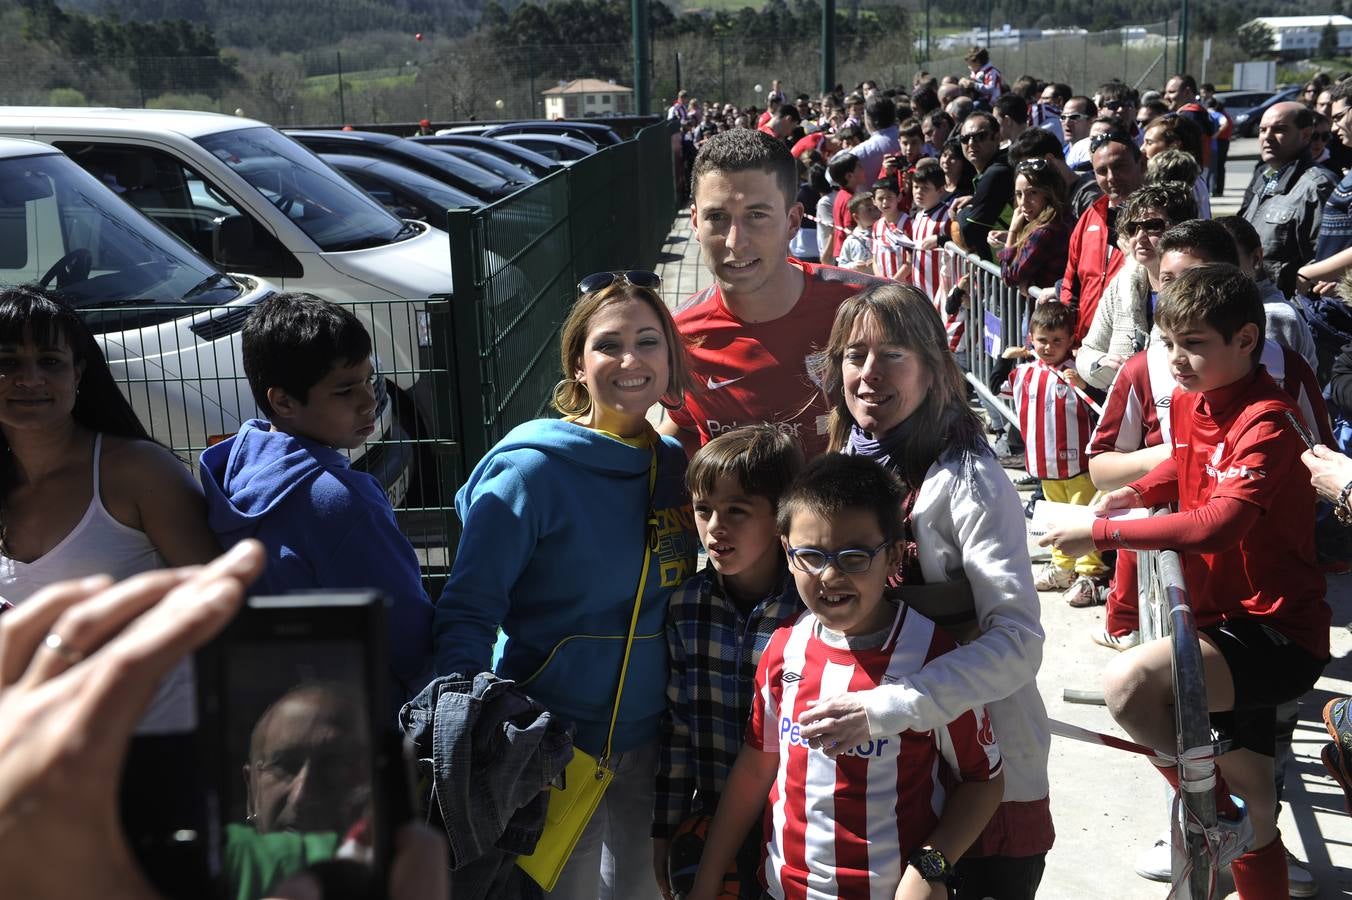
[[1054, 420], [1136, 411], [844, 828], [927, 264], [989, 82], [887, 247]]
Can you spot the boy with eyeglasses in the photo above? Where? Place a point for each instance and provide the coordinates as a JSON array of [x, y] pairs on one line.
[[894, 813]]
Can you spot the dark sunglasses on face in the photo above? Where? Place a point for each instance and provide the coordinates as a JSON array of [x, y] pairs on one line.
[[1112, 104], [1073, 117], [599, 281], [974, 136], [1099, 140], [1321, 136], [1152, 227]]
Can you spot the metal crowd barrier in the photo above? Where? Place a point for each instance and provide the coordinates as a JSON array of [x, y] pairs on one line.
[[997, 318], [1165, 611]]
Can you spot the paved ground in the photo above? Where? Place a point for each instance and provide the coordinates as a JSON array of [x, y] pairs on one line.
[[1106, 804]]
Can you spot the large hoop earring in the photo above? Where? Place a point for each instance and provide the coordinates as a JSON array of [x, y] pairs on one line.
[[557, 393]]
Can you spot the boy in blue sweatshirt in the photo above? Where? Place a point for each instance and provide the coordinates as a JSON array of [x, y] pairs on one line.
[[284, 481]]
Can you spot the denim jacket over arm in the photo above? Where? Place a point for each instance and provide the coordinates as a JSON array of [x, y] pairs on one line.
[[490, 752]]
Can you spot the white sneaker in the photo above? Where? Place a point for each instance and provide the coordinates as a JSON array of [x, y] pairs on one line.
[[1233, 837], [1157, 863], [1300, 882]]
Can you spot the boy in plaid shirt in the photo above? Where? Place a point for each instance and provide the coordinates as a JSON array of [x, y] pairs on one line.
[[717, 625]]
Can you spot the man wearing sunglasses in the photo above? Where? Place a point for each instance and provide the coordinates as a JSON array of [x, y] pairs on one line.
[[754, 334], [989, 206], [1285, 199], [1094, 256]]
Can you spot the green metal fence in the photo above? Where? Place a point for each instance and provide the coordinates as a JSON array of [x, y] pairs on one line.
[[515, 266]]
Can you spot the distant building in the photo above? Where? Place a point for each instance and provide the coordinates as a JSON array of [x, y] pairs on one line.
[[1298, 36], [588, 97]]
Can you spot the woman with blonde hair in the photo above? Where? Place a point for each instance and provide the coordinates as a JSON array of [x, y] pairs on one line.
[[556, 519], [898, 398], [1033, 252]]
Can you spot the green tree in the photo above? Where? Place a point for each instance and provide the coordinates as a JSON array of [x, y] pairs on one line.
[[1255, 38], [1328, 41]]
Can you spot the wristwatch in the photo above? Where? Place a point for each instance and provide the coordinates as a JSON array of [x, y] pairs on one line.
[[932, 865]]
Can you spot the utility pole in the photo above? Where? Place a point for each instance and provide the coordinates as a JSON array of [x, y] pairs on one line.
[[1183, 38], [342, 106], [828, 45], [642, 88]]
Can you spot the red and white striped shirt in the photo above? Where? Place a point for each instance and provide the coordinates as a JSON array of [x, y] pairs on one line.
[[927, 264], [989, 82], [1054, 420], [887, 247], [844, 828], [1136, 411]]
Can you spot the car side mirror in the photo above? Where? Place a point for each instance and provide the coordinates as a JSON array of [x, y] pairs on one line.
[[237, 245]]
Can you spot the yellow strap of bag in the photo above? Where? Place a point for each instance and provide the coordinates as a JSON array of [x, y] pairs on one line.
[[586, 778]]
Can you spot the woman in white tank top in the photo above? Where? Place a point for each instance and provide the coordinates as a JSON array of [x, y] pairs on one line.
[[83, 489]]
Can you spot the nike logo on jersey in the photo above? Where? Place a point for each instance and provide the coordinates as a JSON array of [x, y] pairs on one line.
[[714, 384]]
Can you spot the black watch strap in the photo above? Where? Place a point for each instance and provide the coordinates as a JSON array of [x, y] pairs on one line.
[[932, 865]]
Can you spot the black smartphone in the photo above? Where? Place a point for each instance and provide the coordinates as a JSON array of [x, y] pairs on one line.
[[307, 769], [1301, 430]]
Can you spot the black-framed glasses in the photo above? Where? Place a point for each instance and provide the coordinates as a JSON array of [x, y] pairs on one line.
[[1036, 164], [851, 561], [974, 136], [1098, 140], [599, 281], [1152, 227]]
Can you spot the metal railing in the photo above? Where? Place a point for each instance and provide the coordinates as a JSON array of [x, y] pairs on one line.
[[1165, 612], [997, 318]]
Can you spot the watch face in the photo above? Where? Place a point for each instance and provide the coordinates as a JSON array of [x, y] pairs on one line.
[[933, 865]]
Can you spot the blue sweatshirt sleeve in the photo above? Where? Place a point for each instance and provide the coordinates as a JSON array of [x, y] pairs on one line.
[[374, 553], [496, 543]]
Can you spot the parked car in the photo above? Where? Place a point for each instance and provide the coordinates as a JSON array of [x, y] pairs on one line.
[[593, 132], [537, 164], [458, 173], [404, 192], [1246, 123], [254, 201], [493, 163], [566, 150], [1239, 102]]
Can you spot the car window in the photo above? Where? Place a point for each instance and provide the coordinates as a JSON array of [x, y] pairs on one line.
[[332, 211], [61, 227]]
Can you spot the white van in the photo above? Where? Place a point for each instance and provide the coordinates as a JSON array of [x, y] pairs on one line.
[[252, 200], [168, 321]]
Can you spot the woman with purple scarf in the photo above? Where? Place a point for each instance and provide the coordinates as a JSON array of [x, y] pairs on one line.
[[898, 398]]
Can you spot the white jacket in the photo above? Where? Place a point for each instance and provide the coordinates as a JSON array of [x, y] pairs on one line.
[[968, 523], [1119, 318]]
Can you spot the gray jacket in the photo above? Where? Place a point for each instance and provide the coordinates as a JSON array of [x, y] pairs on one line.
[[489, 752], [1288, 221]]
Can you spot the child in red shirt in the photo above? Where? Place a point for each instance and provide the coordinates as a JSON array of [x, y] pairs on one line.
[[1245, 532]]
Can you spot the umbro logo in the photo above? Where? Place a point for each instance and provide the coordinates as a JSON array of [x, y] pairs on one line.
[[790, 677], [714, 384]]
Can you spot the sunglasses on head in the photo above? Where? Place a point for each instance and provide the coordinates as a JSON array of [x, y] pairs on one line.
[[1099, 140], [1036, 164], [599, 281], [974, 136], [1153, 227]]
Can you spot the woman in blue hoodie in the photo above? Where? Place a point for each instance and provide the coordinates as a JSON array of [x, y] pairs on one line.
[[555, 518]]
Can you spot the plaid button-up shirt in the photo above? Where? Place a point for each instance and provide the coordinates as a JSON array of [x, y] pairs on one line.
[[714, 649]]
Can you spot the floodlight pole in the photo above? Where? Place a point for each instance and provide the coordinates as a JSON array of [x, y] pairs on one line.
[[642, 88], [828, 45]]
